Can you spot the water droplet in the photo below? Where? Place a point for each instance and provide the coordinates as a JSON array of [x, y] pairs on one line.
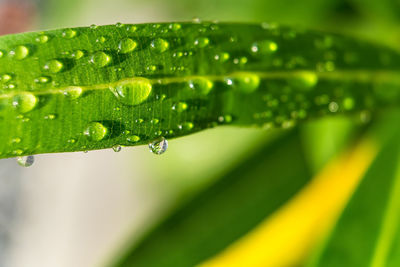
[[68, 33], [24, 102], [201, 42], [6, 77], [73, 92], [133, 139], [186, 126], [20, 52], [175, 26], [154, 121], [244, 82], [159, 45], [50, 117], [77, 54], [201, 85], [53, 66], [100, 59], [26, 161], [42, 39], [196, 20], [333, 106], [304, 80], [159, 146], [96, 131], [1, 54], [180, 107], [42, 79], [119, 24], [117, 148], [93, 26], [264, 47], [222, 57], [16, 140], [131, 28], [132, 91], [127, 45], [101, 39], [348, 103]]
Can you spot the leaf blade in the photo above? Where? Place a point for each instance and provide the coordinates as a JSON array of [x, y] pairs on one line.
[[144, 81]]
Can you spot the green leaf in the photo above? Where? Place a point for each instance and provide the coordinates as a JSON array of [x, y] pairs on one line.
[[210, 221], [99, 87], [367, 233]]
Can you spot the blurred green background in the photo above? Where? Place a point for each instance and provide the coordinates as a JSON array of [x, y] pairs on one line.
[[79, 209]]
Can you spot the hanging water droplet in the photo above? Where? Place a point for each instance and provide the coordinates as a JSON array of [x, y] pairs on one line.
[[24, 101], [132, 91], [68, 33], [159, 45], [100, 59], [20, 52], [42, 39], [26, 161], [127, 45], [95, 131], [158, 146], [73, 92], [201, 85], [117, 148], [53, 66], [244, 82]]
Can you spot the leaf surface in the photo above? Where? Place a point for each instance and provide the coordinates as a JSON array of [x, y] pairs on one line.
[[102, 86]]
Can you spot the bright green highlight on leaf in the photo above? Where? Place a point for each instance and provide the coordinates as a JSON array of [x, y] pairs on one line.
[[172, 79]]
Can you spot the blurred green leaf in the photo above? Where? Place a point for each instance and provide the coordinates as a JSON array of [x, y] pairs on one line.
[[100, 87], [367, 232], [226, 210]]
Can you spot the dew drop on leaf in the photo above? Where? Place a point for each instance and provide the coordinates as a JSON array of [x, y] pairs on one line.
[[264, 47], [180, 107], [160, 45], [132, 91], [304, 80], [20, 52], [42, 39], [26, 161], [100, 59], [244, 82], [77, 54], [158, 146], [127, 45], [96, 131], [24, 102], [133, 139], [53, 66], [5, 77], [201, 85], [73, 92], [201, 42], [68, 33]]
